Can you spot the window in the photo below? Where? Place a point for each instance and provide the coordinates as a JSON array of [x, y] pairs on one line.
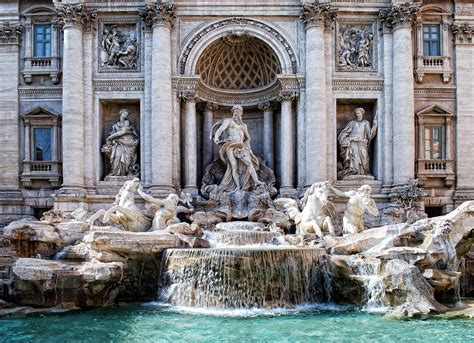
[[42, 40], [433, 143], [431, 40], [42, 144]]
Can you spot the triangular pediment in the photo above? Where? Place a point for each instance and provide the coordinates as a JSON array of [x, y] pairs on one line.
[[39, 112], [435, 110]]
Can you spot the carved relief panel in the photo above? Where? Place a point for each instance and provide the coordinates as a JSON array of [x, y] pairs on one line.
[[356, 47], [119, 45]]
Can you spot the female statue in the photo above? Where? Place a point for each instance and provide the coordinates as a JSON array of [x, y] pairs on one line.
[[121, 147]]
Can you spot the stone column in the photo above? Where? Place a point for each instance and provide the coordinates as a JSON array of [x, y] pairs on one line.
[[190, 142], [464, 52], [268, 149], [207, 145], [316, 18], [74, 18], [287, 144], [159, 16], [400, 18]]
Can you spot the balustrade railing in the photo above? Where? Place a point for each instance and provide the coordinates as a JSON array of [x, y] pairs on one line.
[[435, 167]]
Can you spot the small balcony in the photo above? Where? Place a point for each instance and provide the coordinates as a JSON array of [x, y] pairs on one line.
[[436, 169], [41, 66], [433, 65], [49, 171]]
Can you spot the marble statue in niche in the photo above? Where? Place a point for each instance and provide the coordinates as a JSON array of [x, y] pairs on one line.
[[355, 47], [121, 147], [119, 48], [234, 140], [354, 141]]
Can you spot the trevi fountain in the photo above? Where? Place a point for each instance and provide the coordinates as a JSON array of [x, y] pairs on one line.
[[244, 251]]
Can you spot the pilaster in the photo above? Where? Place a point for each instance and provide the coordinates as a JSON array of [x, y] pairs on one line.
[[10, 197], [464, 52]]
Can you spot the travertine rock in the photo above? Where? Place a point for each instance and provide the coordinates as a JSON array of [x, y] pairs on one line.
[[407, 291], [51, 283], [33, 238]]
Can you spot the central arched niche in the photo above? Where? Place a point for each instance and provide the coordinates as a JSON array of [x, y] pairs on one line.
[[237, 68], [238, 61]]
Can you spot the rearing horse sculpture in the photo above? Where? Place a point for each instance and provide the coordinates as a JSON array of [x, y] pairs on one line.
[[124, 211], [314, 218]]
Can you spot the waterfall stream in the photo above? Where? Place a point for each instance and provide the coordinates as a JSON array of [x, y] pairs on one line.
[[374, 286], [244, 277]]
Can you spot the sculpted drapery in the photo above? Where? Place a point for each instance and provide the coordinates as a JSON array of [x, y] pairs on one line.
[[121, 147], [354, 142], [235, 152]]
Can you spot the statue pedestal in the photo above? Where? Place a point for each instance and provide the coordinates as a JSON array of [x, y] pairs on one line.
[[359, 178], [118, 180]]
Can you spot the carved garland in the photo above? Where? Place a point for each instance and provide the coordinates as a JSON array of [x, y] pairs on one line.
[[10, 33], [242, 22]]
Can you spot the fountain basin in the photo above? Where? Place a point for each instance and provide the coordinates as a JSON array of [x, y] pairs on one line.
[[243, 277]]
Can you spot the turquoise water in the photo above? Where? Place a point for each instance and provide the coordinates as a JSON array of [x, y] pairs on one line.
[[157, 323]]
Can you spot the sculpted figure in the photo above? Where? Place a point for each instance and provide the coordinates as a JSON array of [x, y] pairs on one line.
[[348, 50], [124, 212], [359, 202], [317, 210], [354, 142], [121, 147], [363, 51], [127, 58], [165, 210], [235, 152]]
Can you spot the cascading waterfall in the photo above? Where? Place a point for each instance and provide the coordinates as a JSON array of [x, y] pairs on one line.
[[369, 270], [244, 277]]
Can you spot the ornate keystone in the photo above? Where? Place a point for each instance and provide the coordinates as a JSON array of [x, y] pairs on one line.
[[75, 15], [158, 14], [399, 15], [463, 33], [10, 33], [317, 14]]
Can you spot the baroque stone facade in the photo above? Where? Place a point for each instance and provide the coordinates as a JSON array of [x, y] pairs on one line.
[[299, 69]]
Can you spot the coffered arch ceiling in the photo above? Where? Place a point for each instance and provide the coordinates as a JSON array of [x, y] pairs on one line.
[[238, 61]]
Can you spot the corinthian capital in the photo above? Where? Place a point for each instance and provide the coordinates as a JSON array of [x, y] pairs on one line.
[[75, 15], [399, 15], [286, 95], [463, 33], [318, 14], [158, 14], [10, 33]]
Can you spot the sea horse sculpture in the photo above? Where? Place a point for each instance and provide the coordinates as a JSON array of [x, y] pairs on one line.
[[124, 211], [316, 214]]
